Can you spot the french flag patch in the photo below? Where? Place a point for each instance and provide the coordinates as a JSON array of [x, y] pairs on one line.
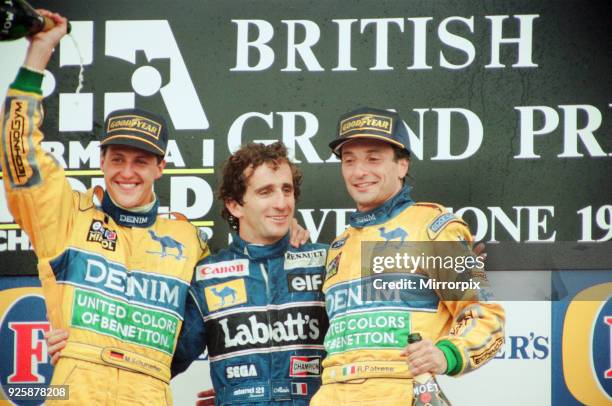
[[299, 388]]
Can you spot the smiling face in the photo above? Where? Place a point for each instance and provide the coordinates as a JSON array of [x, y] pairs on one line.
[[269, 202], [371, 173], [129, 174]]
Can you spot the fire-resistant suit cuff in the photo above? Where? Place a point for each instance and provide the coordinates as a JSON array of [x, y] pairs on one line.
[[452, 355], [28, 81]]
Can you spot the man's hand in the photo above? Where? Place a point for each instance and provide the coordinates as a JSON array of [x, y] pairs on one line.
[[479, 251], [206, 398], [56, 341], [42, 44], [297, 234], [424, 356]]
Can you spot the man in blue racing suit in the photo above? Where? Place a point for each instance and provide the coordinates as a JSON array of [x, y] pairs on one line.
[[257, 305]]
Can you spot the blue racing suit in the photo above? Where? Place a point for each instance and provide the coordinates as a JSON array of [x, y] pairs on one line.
[[260, 311]]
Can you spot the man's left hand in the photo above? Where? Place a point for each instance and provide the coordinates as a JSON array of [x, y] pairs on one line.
[[479, 251], [206, 398], [297, 234], [424, 356]]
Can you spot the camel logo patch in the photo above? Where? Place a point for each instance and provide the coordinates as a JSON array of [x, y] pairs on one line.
[[168, 246], [397, 233], [226, 294]]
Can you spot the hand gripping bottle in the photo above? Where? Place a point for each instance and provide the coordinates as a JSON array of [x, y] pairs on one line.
[[18, 19], [426, 390]]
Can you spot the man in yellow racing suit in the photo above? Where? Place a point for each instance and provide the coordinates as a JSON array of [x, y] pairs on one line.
[[113, 273], [368, 361]]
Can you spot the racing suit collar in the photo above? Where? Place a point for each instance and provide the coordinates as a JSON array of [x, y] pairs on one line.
[[260, 251], [129, 218], [384, 212]]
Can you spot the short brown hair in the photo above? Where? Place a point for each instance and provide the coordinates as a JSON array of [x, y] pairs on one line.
[[398, 154], [234, 182]]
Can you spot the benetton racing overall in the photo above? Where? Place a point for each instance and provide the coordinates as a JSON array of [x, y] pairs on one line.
[[115, 279], [365, 337]]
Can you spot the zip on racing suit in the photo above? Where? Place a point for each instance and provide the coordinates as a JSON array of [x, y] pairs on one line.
[[117, 280], [260, 312], [365, 337]]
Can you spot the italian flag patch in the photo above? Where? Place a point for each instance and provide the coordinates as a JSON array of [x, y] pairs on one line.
[[350, 370]]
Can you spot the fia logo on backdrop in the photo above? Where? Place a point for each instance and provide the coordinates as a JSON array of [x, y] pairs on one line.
[[148, 63]]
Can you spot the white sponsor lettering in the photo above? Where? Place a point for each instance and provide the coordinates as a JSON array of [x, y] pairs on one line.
[[281, 390], [255, 391], [133, 219], [240, 371], [298, 327], [225, 269], [114, 279], [309, 283], [307, 259]]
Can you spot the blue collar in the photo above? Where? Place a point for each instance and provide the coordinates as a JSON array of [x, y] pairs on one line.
[[128, 218], [384, 212], [258, 251]]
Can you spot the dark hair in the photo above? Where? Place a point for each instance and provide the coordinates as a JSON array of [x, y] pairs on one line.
[[104, 148], [234, 181], [401, 153]]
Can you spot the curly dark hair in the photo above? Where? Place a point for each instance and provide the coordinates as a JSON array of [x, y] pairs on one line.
[[234, 182]]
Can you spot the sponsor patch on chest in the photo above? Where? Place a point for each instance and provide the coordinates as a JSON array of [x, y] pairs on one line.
[[306, 259], [304, 282], [332, 267], [300, 326], [339, 243], [225, 269], [226, 294], [304, 366], [106, 237]]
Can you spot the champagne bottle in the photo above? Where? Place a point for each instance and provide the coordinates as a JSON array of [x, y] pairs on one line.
[[18, 19], [426, 391]]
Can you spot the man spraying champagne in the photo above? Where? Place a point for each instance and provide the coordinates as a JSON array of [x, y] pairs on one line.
[[118, 292]]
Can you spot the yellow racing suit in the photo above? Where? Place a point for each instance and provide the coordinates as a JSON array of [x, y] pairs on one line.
[[117, 280], [366, 333]]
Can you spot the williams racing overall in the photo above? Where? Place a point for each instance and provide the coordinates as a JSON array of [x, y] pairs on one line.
[[365, 335], [117, 280], [260, 312]]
